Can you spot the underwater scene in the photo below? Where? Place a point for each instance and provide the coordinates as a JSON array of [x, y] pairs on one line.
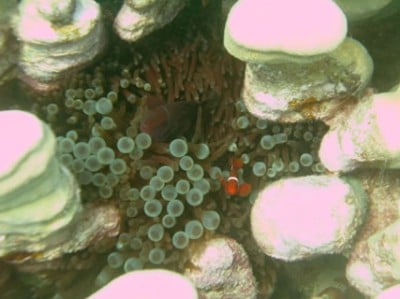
[[200, 149]]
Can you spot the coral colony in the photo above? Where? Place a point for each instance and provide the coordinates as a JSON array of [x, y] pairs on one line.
[[143, 138]]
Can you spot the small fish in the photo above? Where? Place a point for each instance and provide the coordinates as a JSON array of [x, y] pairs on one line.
[[169, 121], [232, 184]]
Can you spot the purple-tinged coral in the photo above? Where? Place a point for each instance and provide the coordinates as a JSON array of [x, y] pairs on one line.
[[41, 215], [139, 18], [38, 194], [366, 136], [57, 38], [220, 268], [297, 218], [289, 78], [390, 293], [374, 259], [149, 284]]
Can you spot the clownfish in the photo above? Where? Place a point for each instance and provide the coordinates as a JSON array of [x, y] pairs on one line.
[[232, 184]]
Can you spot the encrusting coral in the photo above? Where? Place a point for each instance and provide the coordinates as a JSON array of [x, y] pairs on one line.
[[139, 18], [360, 136], [364, 136], [372, 265], [168, 284], [57, 38], [322, 217], [390, 293], [220, 268], [39, 196], [168, 189], [289, 78], [41, 213], [180, 188]]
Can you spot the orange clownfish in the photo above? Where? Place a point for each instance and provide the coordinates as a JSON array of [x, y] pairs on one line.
[[232, 185]]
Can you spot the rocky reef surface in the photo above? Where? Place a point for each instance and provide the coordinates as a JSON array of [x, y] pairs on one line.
[[211, 148]]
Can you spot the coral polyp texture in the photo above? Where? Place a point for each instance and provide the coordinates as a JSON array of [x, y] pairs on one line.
[[372, 263], [154, 131], [289, 78], [57, 38], [321, 217], [139, 18], [170, 153], [39, 196], [370, 141], [221, 268]]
